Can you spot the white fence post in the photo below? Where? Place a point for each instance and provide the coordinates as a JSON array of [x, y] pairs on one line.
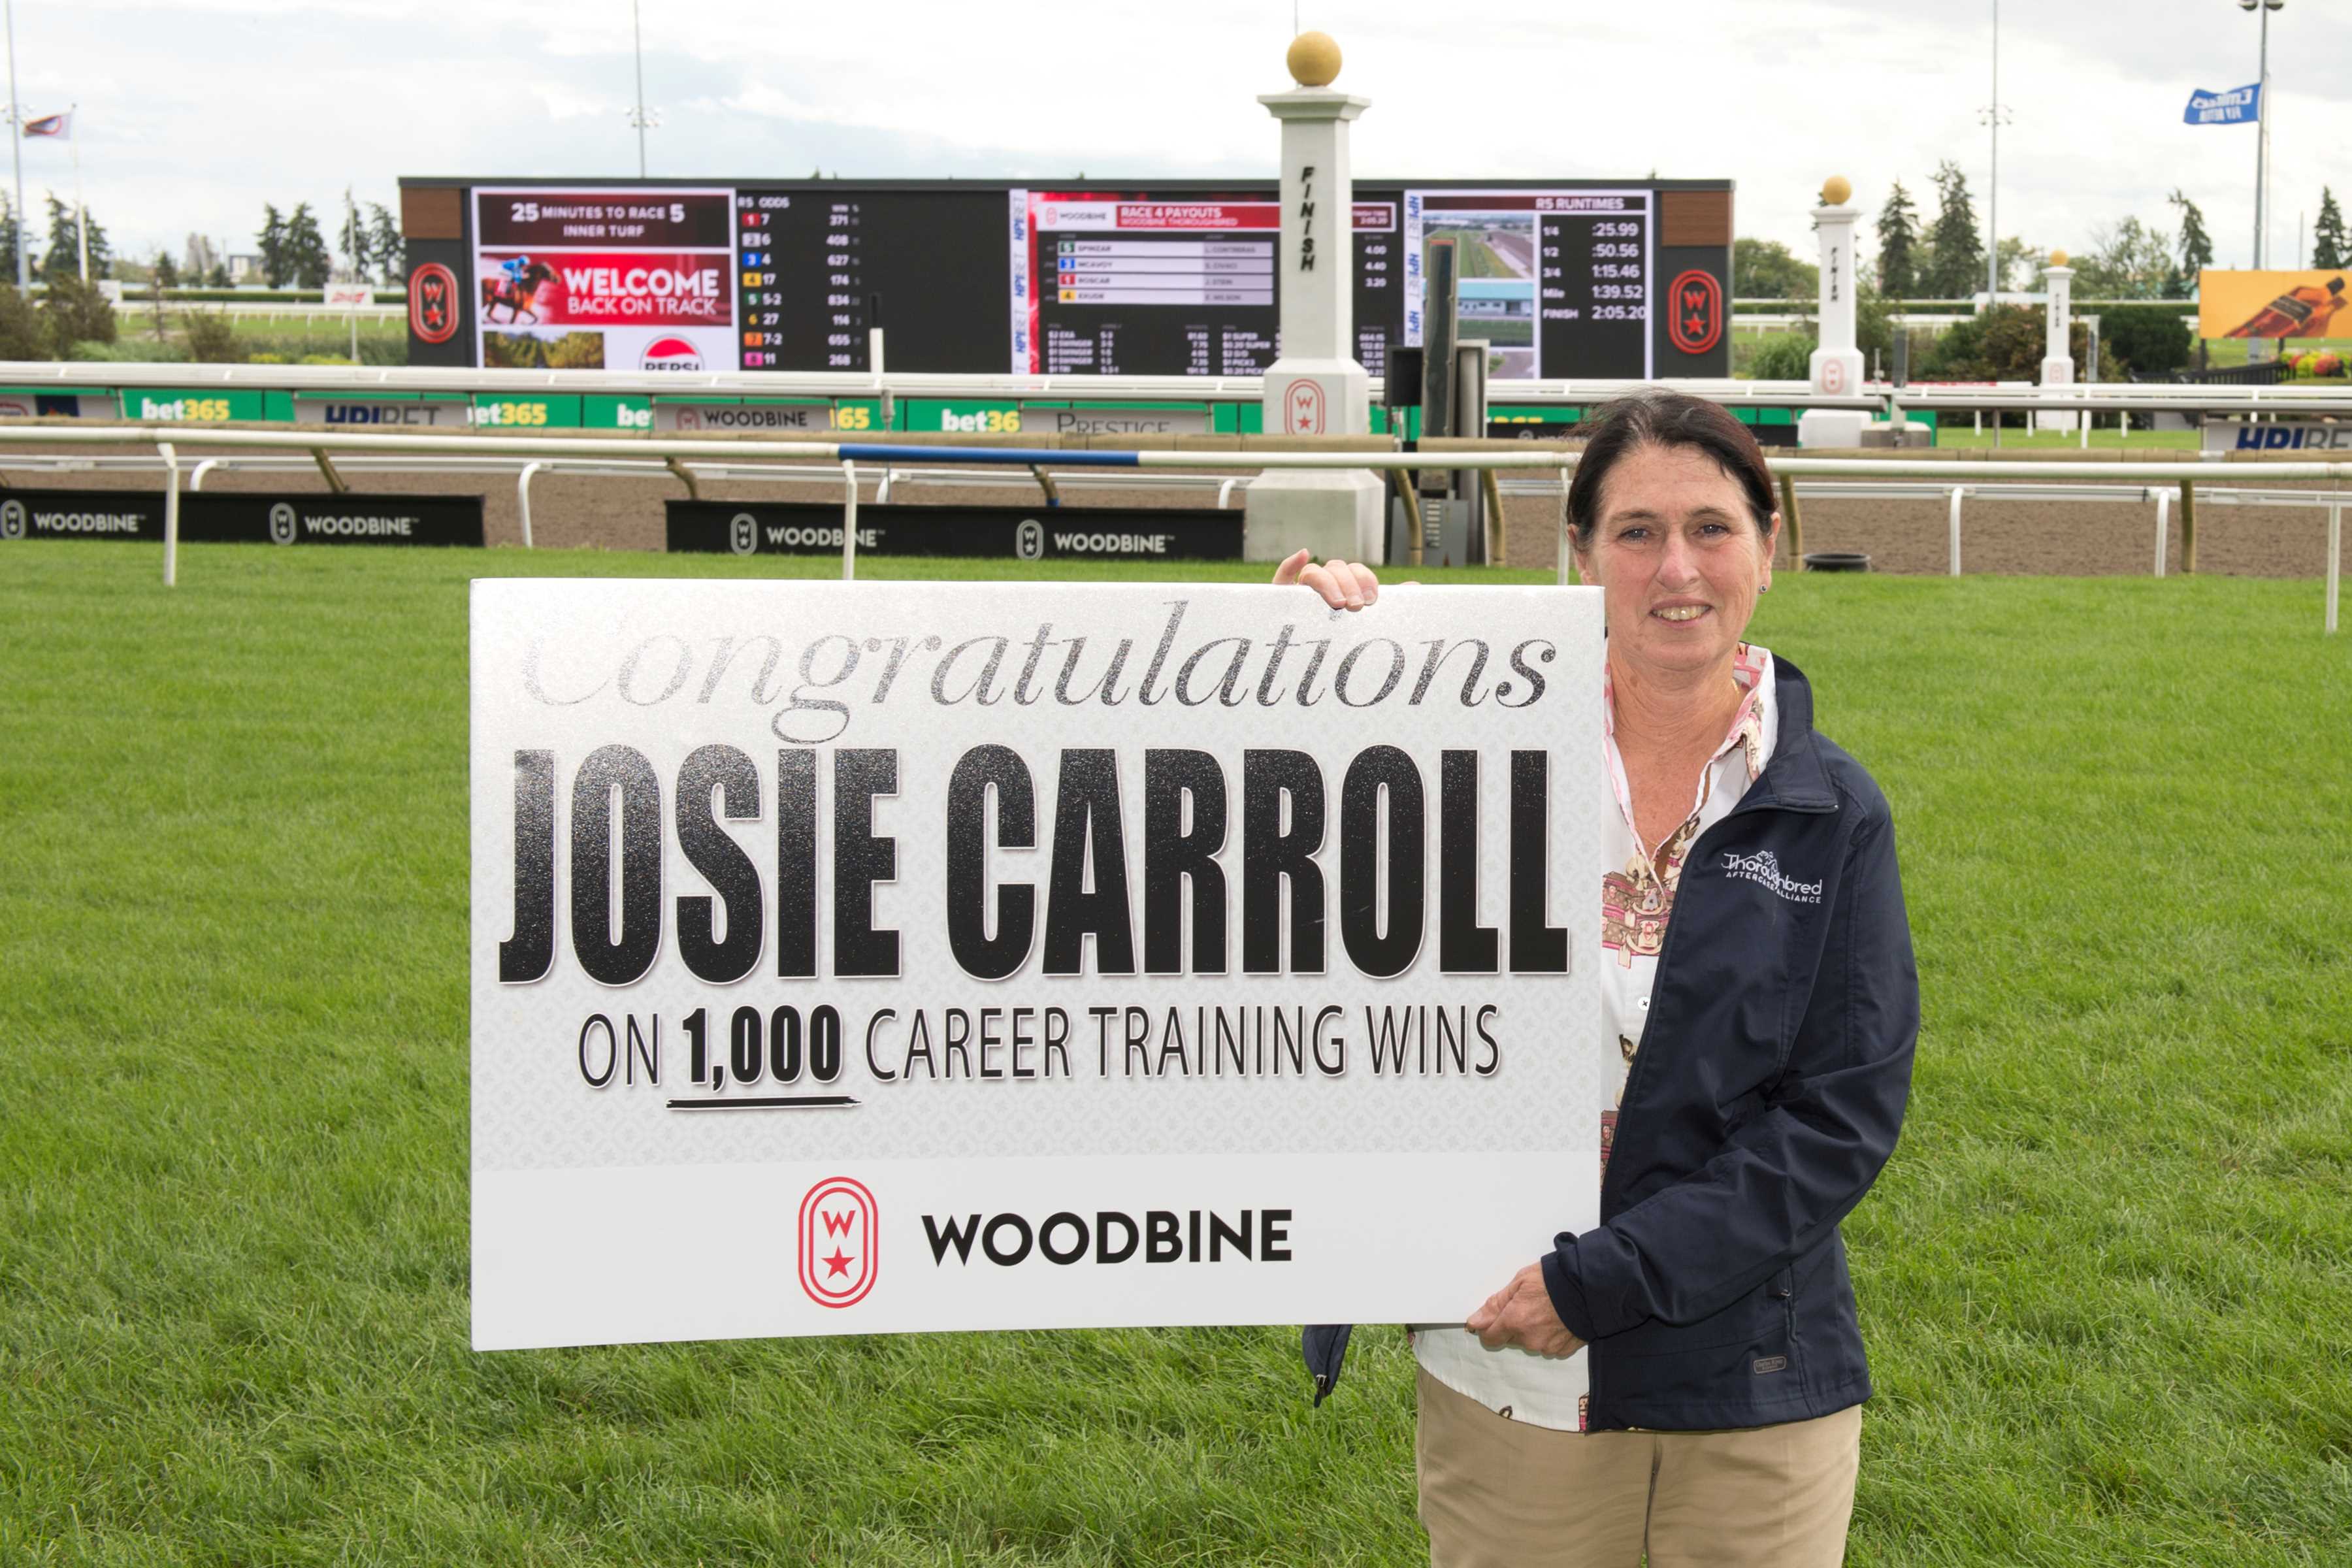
[[2334, 559], [172, 517], [523, 498], [850, 524], [2163, 527], [1957, 493], [196, 480], [1567, 543]]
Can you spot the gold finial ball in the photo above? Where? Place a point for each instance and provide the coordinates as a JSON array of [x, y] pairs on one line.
[[1834, 191], [1313, 59], [2057, 259]]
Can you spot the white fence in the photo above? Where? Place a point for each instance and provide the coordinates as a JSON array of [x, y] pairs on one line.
[[805, 460]]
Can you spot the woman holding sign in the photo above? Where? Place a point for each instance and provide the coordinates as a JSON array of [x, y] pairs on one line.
[[1760, 984]]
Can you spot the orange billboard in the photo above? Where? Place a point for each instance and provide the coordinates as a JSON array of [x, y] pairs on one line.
[[2235, 304]]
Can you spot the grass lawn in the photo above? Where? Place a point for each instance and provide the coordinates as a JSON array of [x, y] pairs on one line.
[[2107, 1279]]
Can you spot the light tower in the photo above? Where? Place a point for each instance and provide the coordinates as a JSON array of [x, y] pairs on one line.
[[1315, 387], [1837, 363]]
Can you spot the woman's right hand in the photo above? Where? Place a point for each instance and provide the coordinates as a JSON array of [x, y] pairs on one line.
[[1344, 587]]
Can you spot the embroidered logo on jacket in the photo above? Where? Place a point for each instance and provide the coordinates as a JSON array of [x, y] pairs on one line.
[[1765, 868]]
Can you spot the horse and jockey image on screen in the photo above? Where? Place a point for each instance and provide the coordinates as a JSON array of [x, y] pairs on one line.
[[512, 283]]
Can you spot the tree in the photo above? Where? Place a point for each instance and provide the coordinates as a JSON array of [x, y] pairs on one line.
[[2328, 238], [351, 239], [387, 244], [167, 271], [2128, 260], [1898, 244], [276, 266], [2196, 247], [306, 248], [1766, 270], [1955, 260], [101, 249], [2019, 263], [9, 240], [64, 257]]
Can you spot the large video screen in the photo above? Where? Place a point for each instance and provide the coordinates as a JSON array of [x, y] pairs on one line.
[[1077, 279]]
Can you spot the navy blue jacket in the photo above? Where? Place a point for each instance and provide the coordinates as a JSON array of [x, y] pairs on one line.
[[1769, 1090]]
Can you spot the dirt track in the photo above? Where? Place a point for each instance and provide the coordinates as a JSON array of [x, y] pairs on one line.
[[2074, 539]]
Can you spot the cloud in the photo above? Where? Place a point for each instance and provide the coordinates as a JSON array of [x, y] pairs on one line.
[[194, 113]]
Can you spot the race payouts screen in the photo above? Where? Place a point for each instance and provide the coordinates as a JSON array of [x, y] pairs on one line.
[[1138, 283]]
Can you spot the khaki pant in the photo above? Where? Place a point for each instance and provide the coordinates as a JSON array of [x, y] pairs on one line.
[[1496, 1491]]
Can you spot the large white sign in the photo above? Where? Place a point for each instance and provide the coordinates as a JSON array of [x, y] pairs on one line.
[[871, 957]]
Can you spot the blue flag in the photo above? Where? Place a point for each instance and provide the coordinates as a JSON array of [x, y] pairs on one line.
[[2235, 106]]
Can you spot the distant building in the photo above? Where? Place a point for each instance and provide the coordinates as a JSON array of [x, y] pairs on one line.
[[244, 269]]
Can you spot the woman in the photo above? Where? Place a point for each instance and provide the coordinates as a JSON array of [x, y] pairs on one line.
[[1766, 1056]]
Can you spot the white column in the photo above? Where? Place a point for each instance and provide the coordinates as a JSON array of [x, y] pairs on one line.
[[1837, 363], [1315, 387], [2058, 323]]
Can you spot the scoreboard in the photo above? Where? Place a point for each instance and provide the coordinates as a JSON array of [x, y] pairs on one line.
[[1564, 278]]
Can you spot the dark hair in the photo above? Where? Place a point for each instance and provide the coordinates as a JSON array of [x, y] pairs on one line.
[[1654, 418]]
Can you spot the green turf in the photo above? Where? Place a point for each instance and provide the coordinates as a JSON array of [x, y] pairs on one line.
[[2107, 1279]]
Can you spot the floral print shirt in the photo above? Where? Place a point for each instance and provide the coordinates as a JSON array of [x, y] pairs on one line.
[[1637, 900]]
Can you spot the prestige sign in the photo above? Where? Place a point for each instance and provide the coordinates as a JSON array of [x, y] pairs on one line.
[[884, 957]]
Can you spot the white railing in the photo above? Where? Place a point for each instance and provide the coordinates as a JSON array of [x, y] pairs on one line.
[[842, 458]]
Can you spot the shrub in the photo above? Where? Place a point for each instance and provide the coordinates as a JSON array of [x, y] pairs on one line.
[[22, 333], [1782, 356], [212, 337], [2003, 342], [2146, 338], [77, 314]]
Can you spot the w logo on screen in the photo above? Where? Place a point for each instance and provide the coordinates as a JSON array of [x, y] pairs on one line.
[[837, 1242]]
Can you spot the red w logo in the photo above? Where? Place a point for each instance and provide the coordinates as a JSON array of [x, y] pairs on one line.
[[1305, 400], [1695, 323], [837, 1225]]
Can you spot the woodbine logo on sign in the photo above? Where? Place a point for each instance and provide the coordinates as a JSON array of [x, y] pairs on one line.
[[1105, 956]]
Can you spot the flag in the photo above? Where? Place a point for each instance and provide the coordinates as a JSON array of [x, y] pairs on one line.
[[58, 125], [2235, 106]]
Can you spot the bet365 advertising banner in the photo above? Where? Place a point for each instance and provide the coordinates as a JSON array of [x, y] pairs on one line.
[[855, 958]]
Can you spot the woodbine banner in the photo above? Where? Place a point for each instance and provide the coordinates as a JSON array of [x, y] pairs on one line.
[[855, 958]]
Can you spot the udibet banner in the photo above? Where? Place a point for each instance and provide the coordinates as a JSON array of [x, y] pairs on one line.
[[856, 958]]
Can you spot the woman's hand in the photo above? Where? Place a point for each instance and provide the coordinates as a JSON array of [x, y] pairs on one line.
[[1342, 586], [1521, 1313]]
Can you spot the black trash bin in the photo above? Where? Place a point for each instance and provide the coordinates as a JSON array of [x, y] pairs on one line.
[[1836, 561]]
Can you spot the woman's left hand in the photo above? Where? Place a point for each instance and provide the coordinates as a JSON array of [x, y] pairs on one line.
[[1521, 1313]]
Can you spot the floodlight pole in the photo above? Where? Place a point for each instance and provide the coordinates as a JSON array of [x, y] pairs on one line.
[[2263, 144], [1992, 184], [637, 34], [17, 153]]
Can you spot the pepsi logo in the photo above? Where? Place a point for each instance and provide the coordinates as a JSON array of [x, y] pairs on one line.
[[671, 353]]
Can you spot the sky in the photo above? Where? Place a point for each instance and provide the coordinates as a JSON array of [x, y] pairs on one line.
[[192, 114]]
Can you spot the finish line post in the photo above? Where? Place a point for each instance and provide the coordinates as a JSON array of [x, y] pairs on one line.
[[1317, 388]]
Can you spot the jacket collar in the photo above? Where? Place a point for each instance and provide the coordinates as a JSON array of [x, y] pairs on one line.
[[1795, 778]]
